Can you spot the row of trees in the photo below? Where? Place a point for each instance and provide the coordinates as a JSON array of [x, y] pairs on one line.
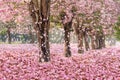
[[90, 19]]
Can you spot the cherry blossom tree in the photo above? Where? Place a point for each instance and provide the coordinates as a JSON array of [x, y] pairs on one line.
[[92, 19], [40, 13], [65, 12], [13, 12]]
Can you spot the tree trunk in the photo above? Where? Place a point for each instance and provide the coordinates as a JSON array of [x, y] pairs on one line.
[[40, 12], [93, 43], [9, 35], [97, 41], [86, 41], [101, 41], [31, 37], [79, 34], [31, 34], [80, 42], [67, 28]]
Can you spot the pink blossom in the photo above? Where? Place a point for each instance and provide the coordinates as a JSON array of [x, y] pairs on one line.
[[20, 62]]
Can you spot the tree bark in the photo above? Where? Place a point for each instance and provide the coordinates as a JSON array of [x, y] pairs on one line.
[[80, 42], [31, 37], [9, 35], [40, 12], [97, 41], [31, 34], [101, 41], [67, 28], [86, 41], [79, 34], [93, 43]]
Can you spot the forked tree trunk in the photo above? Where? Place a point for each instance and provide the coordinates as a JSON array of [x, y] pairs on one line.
[[9, 35], [40, 12], [67, 28]]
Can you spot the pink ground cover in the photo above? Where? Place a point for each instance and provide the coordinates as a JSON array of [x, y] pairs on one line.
[[20, 62]]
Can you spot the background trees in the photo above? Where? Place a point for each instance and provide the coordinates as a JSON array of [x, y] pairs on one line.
[[92, 20]]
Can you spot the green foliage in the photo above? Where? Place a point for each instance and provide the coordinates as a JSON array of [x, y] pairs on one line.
[[3, 32], [117, 29]]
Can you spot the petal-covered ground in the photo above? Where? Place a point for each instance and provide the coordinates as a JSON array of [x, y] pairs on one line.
[[20, 62]]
